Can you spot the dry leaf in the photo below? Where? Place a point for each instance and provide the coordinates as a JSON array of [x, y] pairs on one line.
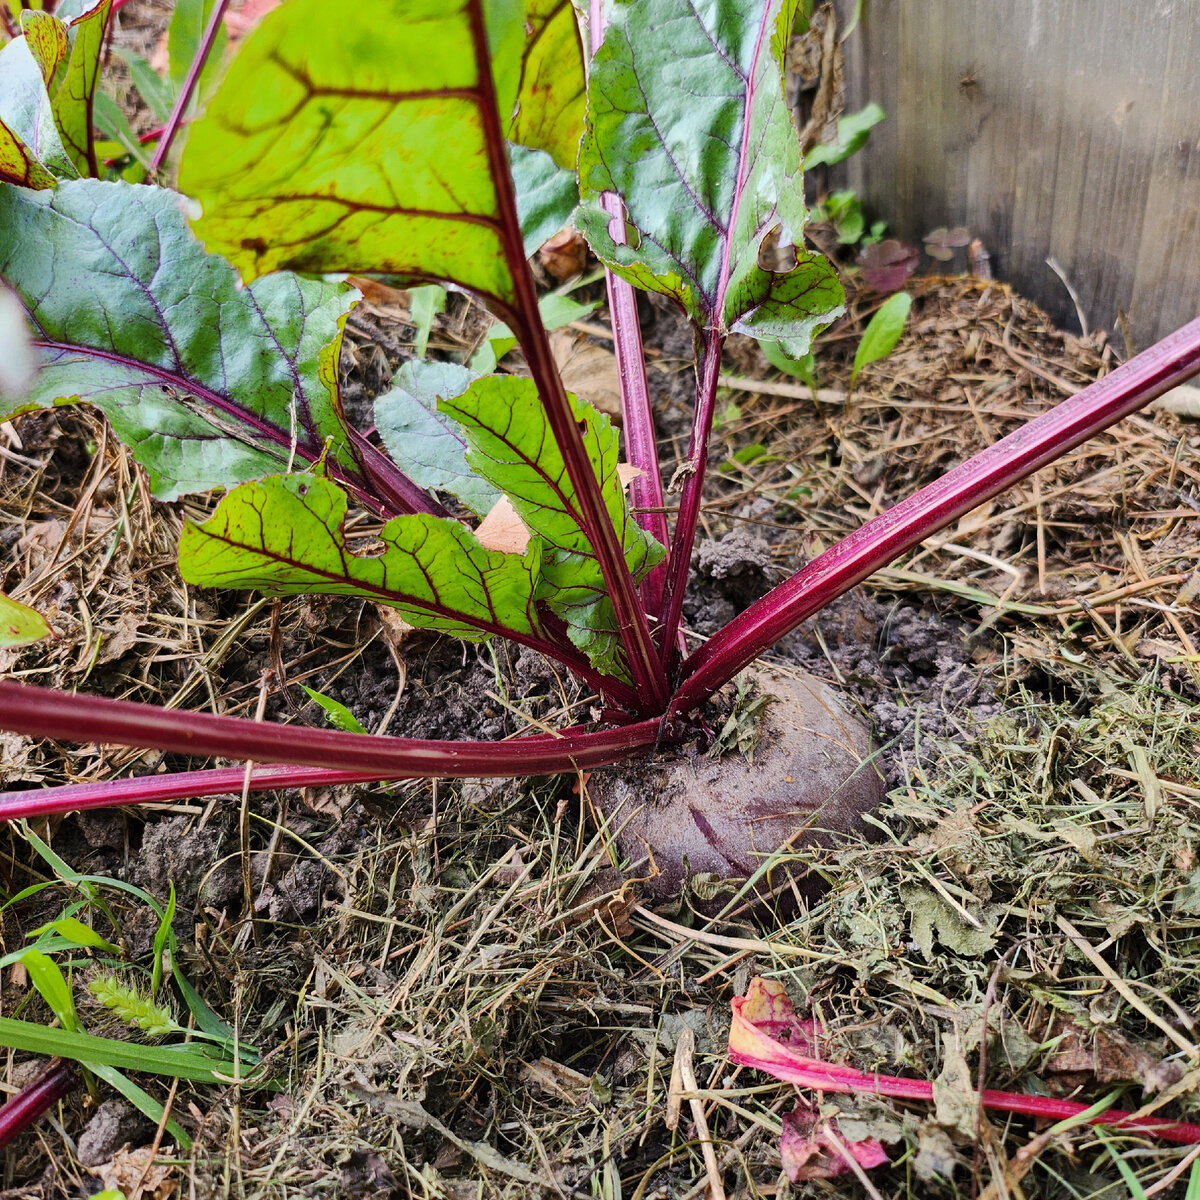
[[588, 370], [627, 473], [819, 44], [119, 638], [381, 295], [502, 529], [565, 255], [557, 1080], [395, 628], [136, 1176]]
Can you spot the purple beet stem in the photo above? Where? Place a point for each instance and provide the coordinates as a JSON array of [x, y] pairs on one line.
[[641, 443], [44, 712], [189, 84], [649, 679], [28, 1104], [1045, 438]]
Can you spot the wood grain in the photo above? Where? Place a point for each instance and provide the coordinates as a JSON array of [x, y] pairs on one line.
[[1050, 128]]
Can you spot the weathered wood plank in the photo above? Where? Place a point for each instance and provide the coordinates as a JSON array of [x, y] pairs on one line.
[[1051, 128]]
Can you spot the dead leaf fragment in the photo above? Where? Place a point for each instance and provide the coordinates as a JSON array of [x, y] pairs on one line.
[[565, 255], [136, 1175], [1105, 1056], [502, 529], [813, 1147], [557, 1080], [627, 473], [588, 370]]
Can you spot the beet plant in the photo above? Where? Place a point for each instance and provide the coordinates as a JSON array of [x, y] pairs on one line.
[[440, 143]]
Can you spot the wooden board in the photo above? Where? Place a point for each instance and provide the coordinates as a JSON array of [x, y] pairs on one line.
[[1064, 129]]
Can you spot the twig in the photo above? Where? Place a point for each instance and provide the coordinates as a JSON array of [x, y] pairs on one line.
[[1083, 322], [684, 1050]]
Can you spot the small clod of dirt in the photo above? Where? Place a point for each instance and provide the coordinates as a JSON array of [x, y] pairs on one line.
[[114, 1124]]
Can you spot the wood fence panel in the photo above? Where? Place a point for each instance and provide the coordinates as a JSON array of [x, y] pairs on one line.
[[1064, 129]]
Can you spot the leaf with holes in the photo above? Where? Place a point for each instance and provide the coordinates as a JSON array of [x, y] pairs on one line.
[[688, 125], [285, 536], [511, 446], [315, 154], [209, 383]]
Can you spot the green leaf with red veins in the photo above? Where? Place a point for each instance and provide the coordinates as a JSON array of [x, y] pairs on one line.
[[29, 140], [209, 383], [18, 164], [427, 445], [551, 100], [285, 536], [73, 100], [368, 150], [511, 447], [688, 125], [46, 37]]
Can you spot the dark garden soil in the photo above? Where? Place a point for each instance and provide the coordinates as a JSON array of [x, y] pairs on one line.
[[459, 991]]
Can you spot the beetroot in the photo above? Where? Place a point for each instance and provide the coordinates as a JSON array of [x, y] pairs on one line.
[[699, 818]]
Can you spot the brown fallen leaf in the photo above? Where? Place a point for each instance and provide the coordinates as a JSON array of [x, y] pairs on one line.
[[1105, 1056], [557, 1080], [381, 295], [588, 370], [137, 1176], [565, 255]]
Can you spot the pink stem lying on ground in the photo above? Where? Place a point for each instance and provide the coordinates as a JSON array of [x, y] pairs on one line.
[[764, 1018], [177, 785], [17, 1114], [884, 538], [43, 712]]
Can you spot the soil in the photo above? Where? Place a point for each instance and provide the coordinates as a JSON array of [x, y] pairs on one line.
[[462, 990]]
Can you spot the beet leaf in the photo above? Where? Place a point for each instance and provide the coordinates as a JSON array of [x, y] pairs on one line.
[[551, 97], [72, 104], [384, 149], [31, 151], [689, 127], [359, 152], [284, 535], [209, 383], [512, 447], [428, 444]]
